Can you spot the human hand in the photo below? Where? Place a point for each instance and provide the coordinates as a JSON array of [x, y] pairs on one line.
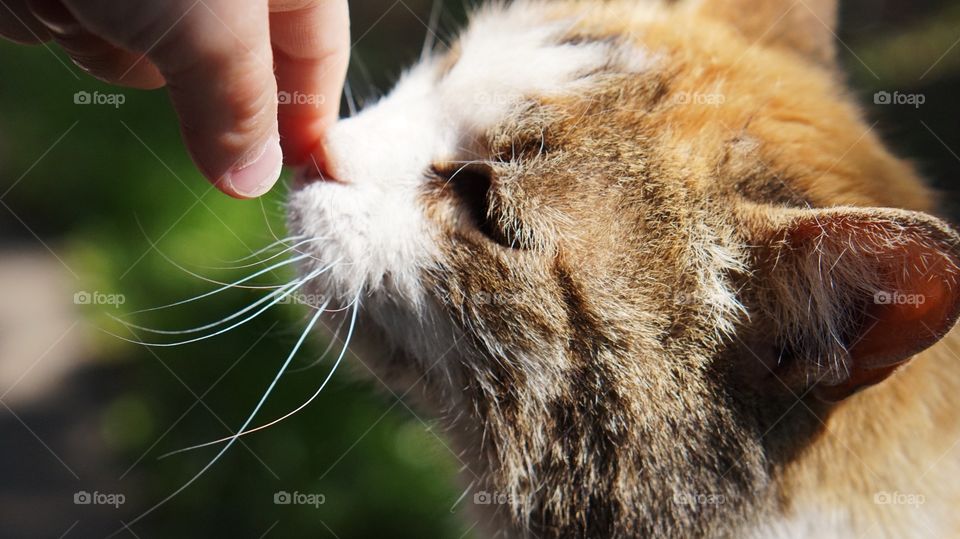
[[224, 63]]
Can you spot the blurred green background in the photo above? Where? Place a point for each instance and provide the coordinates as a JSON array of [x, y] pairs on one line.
[[84, 190]]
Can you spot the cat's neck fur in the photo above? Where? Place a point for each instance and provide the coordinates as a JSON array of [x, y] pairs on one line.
[[882, 456], [871, 464]]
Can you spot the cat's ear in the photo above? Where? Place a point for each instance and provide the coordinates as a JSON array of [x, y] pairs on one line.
[[807, 27], [853, 293]]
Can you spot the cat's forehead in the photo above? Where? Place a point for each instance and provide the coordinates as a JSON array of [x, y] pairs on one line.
[[508, 56]]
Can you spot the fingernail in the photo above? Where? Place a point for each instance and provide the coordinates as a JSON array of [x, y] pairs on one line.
[[259, 174]]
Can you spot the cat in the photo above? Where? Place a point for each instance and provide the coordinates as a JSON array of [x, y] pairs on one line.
[[655, 274]]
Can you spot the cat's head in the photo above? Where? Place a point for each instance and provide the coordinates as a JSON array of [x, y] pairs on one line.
[[616, 238]]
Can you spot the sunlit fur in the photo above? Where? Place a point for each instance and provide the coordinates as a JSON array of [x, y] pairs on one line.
[[622, 349]]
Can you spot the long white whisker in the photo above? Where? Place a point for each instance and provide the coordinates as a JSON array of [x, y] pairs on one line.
[[246, 309], [459, 170], [271, 257], [227, 286], [209, 280], [154, 246], [246, 423], [351, 103], [343, 352], [286, 292], [373, 93], [258, 252], [430, 40], [266, 219], [322, 356]]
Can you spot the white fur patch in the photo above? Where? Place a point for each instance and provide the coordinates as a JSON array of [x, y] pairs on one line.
[[807, 525]]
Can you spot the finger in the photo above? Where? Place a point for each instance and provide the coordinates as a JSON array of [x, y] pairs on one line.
[[93, 54], [216, 58], [18, 24], [311, 46]]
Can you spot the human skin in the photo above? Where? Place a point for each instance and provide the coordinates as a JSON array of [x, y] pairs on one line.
[[224, 64]]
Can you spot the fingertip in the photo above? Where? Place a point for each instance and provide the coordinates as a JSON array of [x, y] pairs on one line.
[[256, 176]]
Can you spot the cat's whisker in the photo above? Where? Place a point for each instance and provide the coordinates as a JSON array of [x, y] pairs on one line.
[[275, 301], [323, 355], [213, 281], [348, 94], [243, 431], [292, 287], [209, 280], [459, 170], [430, 40], [341, 309], [243, 427], [373, 93], [227, 286], [153, 245], [271, 257], [211, 325], [266, 219], [260, 251]]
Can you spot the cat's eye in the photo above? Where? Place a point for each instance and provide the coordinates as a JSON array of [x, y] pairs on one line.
[[471, 185]]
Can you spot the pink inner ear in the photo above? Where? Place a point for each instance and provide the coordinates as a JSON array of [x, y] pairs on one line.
[[898, 325], [919, 297], [917, 315]]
